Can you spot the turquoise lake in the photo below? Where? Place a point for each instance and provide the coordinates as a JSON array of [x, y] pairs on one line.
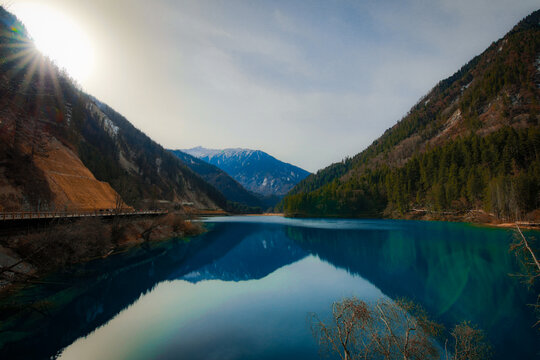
[[244, 290]]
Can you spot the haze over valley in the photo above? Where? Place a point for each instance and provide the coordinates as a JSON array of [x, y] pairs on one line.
[[269, 180]]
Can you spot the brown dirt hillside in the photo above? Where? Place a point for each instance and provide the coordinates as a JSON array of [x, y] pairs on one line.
[[73, 186]]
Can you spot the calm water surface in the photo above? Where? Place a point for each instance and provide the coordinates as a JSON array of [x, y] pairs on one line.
[[244, 289]]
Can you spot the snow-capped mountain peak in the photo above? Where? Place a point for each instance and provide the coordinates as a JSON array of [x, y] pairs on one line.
[[254, 169]]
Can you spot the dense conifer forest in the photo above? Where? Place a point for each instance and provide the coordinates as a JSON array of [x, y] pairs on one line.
[[472, 142], [499, 173]]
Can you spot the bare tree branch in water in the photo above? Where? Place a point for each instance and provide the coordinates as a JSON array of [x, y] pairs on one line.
[[391, 330], [469, 343], [386, 330], [526, 253], [350, 318]]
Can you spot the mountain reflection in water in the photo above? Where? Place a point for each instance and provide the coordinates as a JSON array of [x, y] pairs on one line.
[[242, 290]]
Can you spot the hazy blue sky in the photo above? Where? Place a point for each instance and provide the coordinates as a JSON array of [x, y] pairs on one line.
[[309, 82]]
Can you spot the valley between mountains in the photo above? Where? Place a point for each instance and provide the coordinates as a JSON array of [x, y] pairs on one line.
[[470, 144], [117, 245], [469, 150]]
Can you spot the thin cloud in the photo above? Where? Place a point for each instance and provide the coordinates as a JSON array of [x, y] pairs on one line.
[[308, 82]]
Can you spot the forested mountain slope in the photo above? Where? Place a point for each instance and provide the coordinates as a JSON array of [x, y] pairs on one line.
[[62, 149], [473, 142]]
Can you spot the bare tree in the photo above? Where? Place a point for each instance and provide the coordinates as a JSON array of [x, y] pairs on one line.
[[116, 229], [350, 318], [118, 204], [385, 330], [391, 330], [469, 343], [119, 207], [526, 254]]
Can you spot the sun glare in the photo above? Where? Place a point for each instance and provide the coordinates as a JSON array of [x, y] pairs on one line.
[[57, 37]]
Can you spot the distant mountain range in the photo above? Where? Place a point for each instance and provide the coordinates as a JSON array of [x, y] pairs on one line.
[[229, 187], [473, 142], [255, 170]]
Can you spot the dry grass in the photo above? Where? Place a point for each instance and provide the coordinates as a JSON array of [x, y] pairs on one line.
[[155, 229], [61, 245]]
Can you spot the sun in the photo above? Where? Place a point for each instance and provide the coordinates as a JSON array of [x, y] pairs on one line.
[[57, 37]]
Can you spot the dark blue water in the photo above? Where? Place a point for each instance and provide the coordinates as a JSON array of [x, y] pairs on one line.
[[244, 289]]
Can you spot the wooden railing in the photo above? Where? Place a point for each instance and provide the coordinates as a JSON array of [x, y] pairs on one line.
[[25, 215]]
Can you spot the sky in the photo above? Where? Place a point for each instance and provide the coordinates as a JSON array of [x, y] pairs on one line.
[[310, 82]]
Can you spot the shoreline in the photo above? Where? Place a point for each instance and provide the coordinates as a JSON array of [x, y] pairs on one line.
[[507, 225], [488, 220], [26, 257], [263, 214], [23, 269]]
